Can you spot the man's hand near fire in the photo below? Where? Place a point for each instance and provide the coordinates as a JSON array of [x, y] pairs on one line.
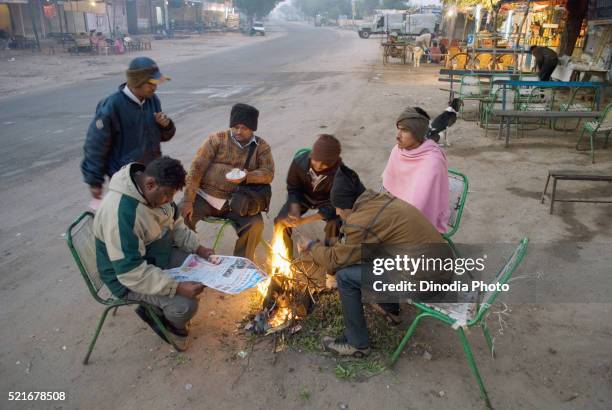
[[294, 217], [305, 244]]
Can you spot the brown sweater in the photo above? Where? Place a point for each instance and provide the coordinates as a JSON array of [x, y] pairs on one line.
[[217, 156], [376, 218]]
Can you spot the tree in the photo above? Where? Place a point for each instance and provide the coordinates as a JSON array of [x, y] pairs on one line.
[[576, 12], [259, 8], [366, 7]]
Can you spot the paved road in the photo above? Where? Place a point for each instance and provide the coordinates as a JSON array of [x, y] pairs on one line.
[[40, 131]]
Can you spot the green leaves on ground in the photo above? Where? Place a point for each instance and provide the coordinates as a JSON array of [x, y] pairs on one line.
[[327, 320]]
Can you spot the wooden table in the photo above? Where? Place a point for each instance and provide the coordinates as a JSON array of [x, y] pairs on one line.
[[507, 115]]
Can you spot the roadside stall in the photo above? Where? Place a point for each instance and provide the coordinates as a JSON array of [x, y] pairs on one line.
[[499, 37], [592, 60]]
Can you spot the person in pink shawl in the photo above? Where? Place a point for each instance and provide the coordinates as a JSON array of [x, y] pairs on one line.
[[417, 171]]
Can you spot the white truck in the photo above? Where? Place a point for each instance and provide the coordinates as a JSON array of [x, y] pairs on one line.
[[404, 24]]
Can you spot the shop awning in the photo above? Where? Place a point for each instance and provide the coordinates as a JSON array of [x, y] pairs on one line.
[[14, 1]]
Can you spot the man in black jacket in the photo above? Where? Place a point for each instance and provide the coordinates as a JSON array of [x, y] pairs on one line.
[[128, 126], [546, 60], [309, 182]]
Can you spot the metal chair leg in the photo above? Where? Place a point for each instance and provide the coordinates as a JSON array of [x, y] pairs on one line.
[[409, 334], [488, 338], [579, 140], [95, 338], [472, 363], [552, 196], [592, 149], [164, 330], [220, 235], [545, 188]]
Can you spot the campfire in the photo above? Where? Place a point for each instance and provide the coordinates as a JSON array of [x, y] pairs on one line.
[[286, 295]]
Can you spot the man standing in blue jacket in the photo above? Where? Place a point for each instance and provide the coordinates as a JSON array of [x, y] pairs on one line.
[[129, 126]]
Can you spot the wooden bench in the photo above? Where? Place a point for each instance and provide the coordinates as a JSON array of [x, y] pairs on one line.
[[573, 176], [507, 115]]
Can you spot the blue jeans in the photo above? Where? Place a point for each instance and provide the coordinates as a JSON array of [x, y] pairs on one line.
[[349, 286]]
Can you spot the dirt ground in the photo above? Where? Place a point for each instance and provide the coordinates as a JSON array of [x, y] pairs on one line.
[[23, 71], [551, 353]]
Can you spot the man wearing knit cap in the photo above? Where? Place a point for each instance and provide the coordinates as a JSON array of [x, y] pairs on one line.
[[210, 182], [128, 126], [369, 218], [309, 182]]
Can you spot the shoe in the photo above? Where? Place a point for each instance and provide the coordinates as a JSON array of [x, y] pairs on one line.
[[341, 347], [144, 315], [174, 330], [171, 328], [392, 315]]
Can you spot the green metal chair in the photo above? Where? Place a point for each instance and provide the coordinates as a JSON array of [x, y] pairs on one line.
[[458, 190], [539, 99], [470, 89], [466, 315], [578, 103], [493, 102], [81, 242], [601, 124]]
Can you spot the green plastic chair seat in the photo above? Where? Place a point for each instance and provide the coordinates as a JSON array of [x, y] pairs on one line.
[[534, 107], [576, 107], [459, 316], [460, 313], [597, 126]]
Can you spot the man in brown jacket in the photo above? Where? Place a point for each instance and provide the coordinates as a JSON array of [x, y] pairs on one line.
[[208, 189], [369, 218]]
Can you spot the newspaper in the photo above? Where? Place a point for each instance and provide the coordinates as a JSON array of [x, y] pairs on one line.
[[232, 275]]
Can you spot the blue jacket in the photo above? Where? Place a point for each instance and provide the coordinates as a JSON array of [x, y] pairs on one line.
[[122, 132]]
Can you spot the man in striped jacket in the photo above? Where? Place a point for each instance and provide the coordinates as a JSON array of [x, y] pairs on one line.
[[138, 230], [209, 190]]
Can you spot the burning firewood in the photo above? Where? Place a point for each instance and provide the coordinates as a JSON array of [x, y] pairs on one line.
[[287, 295]]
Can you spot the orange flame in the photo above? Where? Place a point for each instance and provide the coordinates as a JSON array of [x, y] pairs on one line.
[[280, 263]]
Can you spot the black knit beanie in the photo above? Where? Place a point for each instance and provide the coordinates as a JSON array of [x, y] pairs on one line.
[[244, 114], [346, 188]]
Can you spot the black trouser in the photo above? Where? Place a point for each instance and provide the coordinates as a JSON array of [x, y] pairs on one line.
[[332, 227], [547, 69], [349, 287], [248, 228]]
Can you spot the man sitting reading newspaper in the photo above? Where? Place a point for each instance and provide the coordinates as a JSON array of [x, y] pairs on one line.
[[137, 228]]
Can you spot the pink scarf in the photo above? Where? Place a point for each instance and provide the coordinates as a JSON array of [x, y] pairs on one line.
[[420, 177]]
